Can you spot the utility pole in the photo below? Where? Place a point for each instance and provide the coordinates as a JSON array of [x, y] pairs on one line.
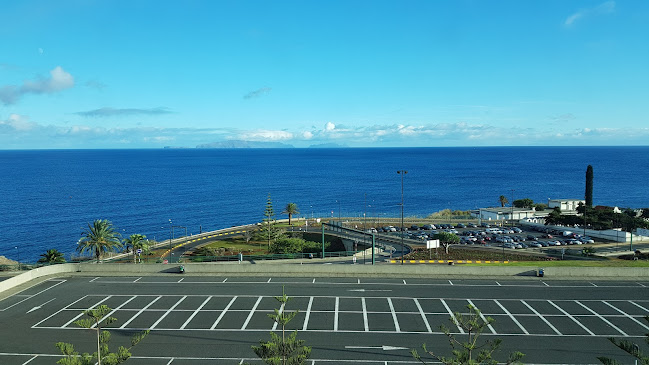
[[402, 173]]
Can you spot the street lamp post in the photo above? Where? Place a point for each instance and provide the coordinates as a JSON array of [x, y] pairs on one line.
[[512, 216], [171, 228], [402, 173]]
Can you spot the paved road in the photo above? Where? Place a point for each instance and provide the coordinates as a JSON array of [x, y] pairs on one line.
[[197, 320]]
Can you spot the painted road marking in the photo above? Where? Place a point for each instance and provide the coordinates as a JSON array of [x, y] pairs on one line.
[[113, 311], [308, 314], [571, 317], [394, 316], [80, 314], [626, 314], [281, 310], [483, 317], [365, 324], [39, 306], [450, 313], [512, 317], [30, 360], [195, 313], [423, 315], [336, 314], [252, 311], [140, 312], [600, 317], [31, 296], [543, 318], [223, 313], [639, 306]]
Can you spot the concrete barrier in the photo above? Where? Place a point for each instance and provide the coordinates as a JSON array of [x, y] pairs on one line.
[[37, 273]]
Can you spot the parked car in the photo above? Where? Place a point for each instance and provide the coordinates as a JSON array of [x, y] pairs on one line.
[[587, 239], [532, 238], [460, 225]]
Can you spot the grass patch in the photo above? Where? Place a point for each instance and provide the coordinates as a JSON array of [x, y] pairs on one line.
[[232, 246]]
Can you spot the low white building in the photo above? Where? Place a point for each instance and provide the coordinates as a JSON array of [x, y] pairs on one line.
[[565, 205], [503, 213]]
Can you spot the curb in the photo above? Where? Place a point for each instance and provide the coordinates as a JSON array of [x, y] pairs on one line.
[[448, 262]]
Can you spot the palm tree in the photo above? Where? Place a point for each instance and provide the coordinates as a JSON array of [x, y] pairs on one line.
[[136, 241], [291, 208], [503, 200], [52, 256], [100, 237]]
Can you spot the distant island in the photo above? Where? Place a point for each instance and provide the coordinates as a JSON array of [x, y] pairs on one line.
[[244, 144]]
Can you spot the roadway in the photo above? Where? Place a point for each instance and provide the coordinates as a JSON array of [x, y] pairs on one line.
[[198, 320]]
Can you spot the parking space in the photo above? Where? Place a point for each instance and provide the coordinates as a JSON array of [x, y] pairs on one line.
[[362, 314], [186, 315]]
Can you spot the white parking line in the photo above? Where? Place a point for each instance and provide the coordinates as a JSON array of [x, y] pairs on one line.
[[336, 314], [80, 314], [140, 312], [626, 314], [224, 280], [33, 295], [512, 317], [450, 282], [138, 279], [600, 317], [114, 310], [94, 279], [571, 317], [167, 312], [423, 315], [638, 305], [365, 324], [394, 316], [181, 279], [269, 280], [543, 318], [252, 311], [281, 310], [59, 311], [450, 313], [30, 360], [195, 313], [404, 282], [170, 361], [223, 313], [483, 317], [308, 314]]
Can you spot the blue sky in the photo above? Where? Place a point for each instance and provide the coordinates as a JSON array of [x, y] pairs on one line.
[[148, 74]]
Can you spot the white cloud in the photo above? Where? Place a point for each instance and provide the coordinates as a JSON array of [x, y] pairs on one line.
[[59, 80], [17, 123], [330, 126], [603, 8], [265, 135], [307, 135]]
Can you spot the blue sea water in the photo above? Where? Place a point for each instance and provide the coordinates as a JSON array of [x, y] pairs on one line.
[[47, 197]]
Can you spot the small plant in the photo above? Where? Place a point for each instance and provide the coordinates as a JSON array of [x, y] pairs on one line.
[[98, 318], [628, 347], [285, 350], [469, 351]]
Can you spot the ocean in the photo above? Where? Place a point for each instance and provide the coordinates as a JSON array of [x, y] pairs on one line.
[[49, 196]]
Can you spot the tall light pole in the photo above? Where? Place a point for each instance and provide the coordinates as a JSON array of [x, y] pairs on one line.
[[512, 217], [402, 173], [171, 227]]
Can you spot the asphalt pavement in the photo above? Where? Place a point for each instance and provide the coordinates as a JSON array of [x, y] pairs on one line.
[[196, 320]]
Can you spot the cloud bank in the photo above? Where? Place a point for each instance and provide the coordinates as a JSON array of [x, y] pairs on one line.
[[59, 80]]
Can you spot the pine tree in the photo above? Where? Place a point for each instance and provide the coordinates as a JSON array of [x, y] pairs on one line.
[[268, 230], [285, 350], [469, 351], [98, 318]]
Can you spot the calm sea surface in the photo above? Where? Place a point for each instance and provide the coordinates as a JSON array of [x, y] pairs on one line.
[[48, 197]]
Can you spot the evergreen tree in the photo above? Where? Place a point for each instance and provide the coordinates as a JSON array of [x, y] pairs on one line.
[[469, 351], [268, 230], [52, 256], [285, 350], [589, 186], [98, 318]]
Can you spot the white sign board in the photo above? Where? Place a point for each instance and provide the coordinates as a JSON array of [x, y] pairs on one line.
[[432, 244]]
